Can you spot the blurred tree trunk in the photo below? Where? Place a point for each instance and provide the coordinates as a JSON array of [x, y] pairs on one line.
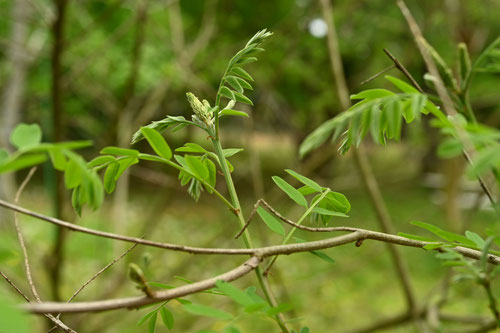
[[18, 60], [56, 260]]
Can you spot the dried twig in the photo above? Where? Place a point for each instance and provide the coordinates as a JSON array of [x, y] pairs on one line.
[[27, 266]]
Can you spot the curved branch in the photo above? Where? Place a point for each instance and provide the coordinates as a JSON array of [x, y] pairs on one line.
[[356, 234], [134, 302]]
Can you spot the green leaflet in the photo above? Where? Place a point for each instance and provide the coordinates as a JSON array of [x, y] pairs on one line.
[[293, 193], [157, 142], [271, 221]]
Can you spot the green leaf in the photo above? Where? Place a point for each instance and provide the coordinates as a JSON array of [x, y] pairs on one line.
[[229, 112], [231, 151], [271, 221], [337, 202], [58, 159], [372, 94], [283, 307], [233, 81], [73, 174], [293, 193], [244, 83], [401, 85], [475, 238], [415, 237], [157, 142], [124, 164], [448, 236], [242, 98], [323, 211], [100, 160], [197, 167], [319, 254], [4, 155], [306, 190], [144, 318], [226, 92], [152, 323], [234, 293], [304, 180], [192, 148], [212, 172], [109, 179], [24, 135], [120, 151], [323, 256], [167, 317], [204, 310], [242, 73], [248, 60], [22, 162], [160, 285], [432, 246], [149, 157], [304, 330]]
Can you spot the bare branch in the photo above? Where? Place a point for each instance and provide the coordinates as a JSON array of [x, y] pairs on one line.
[[134, 302], [356, 234]]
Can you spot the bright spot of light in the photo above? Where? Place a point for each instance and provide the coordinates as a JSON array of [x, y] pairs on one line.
[[318, 28]]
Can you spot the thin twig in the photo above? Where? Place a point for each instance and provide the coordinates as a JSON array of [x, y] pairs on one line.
[[95, 276], [373, 77], [9, 281], [58, 323], [27, 267], [403, 70], [20, 237]]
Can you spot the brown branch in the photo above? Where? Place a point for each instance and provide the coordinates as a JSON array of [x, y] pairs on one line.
[[356, 234], [362, 163], [134, 302], [403, 70], [441, 90], [95, 276], [12, 284]]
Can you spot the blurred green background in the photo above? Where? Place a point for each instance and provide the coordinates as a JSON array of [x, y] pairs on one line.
[[124, 63]]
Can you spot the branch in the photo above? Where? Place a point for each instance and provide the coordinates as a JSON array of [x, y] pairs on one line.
[[442, 92], [95, 276], [134, 302], [362, 162], [27, 267], [355, 235]]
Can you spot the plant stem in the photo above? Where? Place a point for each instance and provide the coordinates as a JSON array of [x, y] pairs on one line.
[[241, 219], [491, 298]]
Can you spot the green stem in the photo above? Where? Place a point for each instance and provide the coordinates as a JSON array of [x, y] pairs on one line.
[[241, 219]]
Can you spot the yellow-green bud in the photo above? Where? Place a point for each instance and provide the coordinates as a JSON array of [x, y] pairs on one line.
[[135, 274], [201, 110]]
